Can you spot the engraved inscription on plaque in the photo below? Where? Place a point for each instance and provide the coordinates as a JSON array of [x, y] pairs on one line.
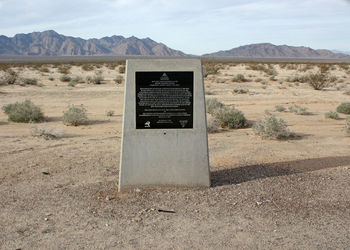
[[164, 100]]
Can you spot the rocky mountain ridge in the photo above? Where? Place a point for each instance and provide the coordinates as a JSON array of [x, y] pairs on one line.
[[50, 43]]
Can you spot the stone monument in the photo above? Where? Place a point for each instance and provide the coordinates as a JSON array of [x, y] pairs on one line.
[[164, 140]]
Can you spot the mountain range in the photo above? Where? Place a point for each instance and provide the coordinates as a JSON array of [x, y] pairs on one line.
[[268, 50], [50, 43]]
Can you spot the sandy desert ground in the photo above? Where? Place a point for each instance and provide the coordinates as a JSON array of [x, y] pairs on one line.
[[265, 194]]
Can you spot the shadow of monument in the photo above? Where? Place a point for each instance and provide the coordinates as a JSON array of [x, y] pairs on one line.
[[248, 173]]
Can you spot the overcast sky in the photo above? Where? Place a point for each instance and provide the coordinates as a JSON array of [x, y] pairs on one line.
[[193, 26]]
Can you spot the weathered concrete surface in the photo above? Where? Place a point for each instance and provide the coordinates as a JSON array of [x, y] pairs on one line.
[[152, 157]]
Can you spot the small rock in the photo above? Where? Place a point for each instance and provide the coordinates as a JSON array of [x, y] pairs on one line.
[[46, 219], [137, 190], [107, 225], [58, 186], [259, 203], [137, 219], [108, 198]]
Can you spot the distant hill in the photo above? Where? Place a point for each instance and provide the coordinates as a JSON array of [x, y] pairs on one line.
[[50, 43], [268, 50]]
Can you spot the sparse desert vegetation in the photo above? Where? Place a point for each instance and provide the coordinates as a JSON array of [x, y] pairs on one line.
[[344, 108], [24, 111], [281, 182], [272, 128], [75, 116]]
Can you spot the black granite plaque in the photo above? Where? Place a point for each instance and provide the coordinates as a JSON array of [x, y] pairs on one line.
[[164, 100]]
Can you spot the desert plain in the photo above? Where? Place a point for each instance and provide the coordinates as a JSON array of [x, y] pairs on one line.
[[265, 194]]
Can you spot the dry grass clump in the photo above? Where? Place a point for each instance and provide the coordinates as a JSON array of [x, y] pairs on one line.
[[240, 91], [211, 68], [240, 78], [267, 69], [297, 78], [64, 69], [96, 79], [10, 77], [231, 118], [23, 112], [88, 67], [118, 79], [109, 112], [65, 78], [29, 81], [344, 108], [121, 69], [280, 108], [272, 128], [331, 115], [299, 110], [46, 132], [225, 116], [213, 104], [75, 116], [44, 69], [212, 125]]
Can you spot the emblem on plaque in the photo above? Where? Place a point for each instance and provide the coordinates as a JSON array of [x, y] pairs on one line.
[[183, 123], [164, 77]]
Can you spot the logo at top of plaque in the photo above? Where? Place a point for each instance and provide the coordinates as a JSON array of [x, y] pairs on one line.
[[164, 77]]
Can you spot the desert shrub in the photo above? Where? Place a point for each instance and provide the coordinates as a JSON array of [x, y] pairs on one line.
[[221, 80], [88, 67], [23, 112], [44, 69], [46, 132], [29, 81], [347, 92], [65, 78], [209, 69], [299, 110], [213, 104], [298, 78], [212, 125], [239, 78], [333, 79], [10, 77], [72, 83], [64, 69], [344, 108], [118, 79], [273, 78], [51, 78], [280, 108], [112, 66], [78, 79], [231, 117], [269, 69], [318, 81], [258, 80], [240, 91], [75, 116], [109, 112], [97, 79], [272, 128], [331, 115], [121, 69], [347, 126]]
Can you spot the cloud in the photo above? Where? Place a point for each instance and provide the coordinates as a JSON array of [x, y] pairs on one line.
[[194, 26]]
